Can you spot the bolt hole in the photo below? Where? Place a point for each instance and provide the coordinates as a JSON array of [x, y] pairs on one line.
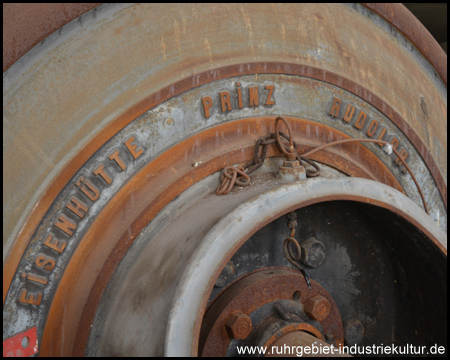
[[297, 295], [25, 342]]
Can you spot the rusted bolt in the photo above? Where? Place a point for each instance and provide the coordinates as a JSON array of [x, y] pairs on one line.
[[313, 252], [292, 220], [317, 307], [353, 332], [239, 325], [291, 164], [291, 171]]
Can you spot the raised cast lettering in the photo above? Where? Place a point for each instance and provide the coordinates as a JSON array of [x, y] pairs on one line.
[[372, 128], [381, 135], [207, 104], [45, 262], [115, 157], [100, 170], [239, 95], [35, 278], [373, 125], [394, 142], [335, 107], [269, 100], [55, 244], [69, 226], [132, 148], [253, 99], [65, 224], [88, 188], [361, 120], [349, 112], [77, 206], [403, 154], [229, 101], [30, 298], [225, 101]]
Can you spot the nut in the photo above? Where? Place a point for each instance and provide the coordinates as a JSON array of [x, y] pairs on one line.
[[313, 252], [317, 307], [291, 164], [239, 325], [291, 171], [353, 332]]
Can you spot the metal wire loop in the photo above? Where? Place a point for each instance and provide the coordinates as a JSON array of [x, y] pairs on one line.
[[290, 151], [293, 259]]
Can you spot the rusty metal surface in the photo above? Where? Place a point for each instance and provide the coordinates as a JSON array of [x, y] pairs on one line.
[[43, 205], [389, 149], [98, 100], [87, 125], [145, 292], [198, 201], [253, 292], [238, 325], [359, 250], [290, 170], [146, 195], [155, 133], [317, 307], [407, 24], [231, 232], [25, 25], [294, 328]]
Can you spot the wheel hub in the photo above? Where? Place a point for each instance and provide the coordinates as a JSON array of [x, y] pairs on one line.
[[273, 302]]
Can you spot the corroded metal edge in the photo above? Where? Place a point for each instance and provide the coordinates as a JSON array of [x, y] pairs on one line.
[[26, 22], [407, 24]]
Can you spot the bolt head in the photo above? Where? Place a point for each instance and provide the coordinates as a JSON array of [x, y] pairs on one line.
[[317, 307], [239, 325], [353, 332], [313, 252]]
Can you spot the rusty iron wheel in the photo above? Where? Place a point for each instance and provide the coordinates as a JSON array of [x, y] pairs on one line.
[[117, 125]]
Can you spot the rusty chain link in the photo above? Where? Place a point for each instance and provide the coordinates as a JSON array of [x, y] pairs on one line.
[[229, 178], [290, 150], [239, 175]]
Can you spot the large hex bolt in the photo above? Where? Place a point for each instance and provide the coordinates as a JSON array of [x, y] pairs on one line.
[[353, 332], [313, 252], [317, 307], [238, 325]]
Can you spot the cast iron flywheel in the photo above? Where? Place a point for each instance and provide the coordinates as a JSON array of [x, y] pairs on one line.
[[150, 185]]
